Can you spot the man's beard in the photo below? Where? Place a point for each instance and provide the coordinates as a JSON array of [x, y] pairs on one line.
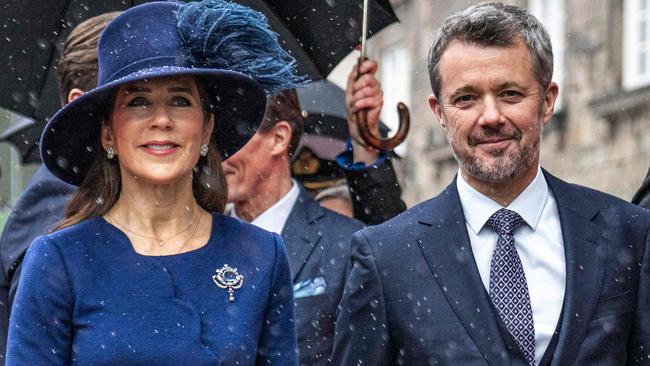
[[503, 166]]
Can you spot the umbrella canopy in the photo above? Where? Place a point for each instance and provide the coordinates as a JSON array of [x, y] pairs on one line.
[[21, 132], [320, 33], [33, 34]]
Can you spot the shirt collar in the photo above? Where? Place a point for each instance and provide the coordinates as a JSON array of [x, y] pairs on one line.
[[478, 208], [275, 217]]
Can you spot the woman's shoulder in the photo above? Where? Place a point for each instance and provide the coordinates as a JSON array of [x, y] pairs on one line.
[[244, 233], [81, 233], [241, 227], [63, 243], [79, 229]]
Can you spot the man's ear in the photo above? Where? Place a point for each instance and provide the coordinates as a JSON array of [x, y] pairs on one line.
[[282, 132], [436, 107], [74, 94], [549, 101]]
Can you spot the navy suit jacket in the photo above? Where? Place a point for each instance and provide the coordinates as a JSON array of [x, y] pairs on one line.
[[318, 246], [415, 297], [39, 207]]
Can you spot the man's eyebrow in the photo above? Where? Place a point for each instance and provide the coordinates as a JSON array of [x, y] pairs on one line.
[[462, 90], [508, 84]]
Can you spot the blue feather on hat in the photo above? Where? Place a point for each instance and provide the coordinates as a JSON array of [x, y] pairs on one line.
[[225, 35]]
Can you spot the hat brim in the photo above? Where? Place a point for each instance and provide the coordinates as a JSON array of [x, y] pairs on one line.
[[71, 139]]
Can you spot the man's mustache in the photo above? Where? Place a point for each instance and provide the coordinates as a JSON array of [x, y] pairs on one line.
[[488, 133]]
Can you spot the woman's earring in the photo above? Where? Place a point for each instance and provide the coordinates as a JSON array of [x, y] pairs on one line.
[[110, 153], [204, 150]]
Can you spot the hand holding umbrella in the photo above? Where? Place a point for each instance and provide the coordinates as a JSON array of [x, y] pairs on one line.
[[361, 116], [363, 95]]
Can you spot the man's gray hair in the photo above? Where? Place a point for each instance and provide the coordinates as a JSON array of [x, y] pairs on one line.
[[493, 24]]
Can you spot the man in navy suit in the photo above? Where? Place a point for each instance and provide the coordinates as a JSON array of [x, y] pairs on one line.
[[42, 203], [262, 192], [508, 265]]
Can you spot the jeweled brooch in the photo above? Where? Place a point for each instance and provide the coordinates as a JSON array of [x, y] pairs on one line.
[[228, 278]]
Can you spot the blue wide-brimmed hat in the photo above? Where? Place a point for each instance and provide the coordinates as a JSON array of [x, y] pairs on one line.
[[228, 46]]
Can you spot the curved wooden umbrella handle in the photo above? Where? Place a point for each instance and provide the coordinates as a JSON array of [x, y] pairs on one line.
[[386, 144]]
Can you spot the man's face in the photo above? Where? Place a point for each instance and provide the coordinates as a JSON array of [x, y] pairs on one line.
[[247, 170], [493, 110]]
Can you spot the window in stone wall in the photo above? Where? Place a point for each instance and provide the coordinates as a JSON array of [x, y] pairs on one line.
[[395, 78], [636, 36], [552, 14]]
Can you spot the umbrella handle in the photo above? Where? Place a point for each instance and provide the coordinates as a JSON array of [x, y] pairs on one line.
[[386, 144]]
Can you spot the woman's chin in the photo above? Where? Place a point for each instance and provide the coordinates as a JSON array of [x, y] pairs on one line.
[[162, 177]]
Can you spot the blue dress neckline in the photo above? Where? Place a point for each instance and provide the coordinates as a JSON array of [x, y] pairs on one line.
[[124, 239]]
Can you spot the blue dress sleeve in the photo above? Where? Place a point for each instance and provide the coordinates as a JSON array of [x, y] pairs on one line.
[[277, 345], [40, 327]]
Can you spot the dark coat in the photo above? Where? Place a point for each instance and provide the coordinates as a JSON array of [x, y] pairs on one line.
[[376, 193], [415, 296], [39, 207], [318, 245]]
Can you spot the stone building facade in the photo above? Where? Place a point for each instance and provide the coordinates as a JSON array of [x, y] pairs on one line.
[[600, 134]]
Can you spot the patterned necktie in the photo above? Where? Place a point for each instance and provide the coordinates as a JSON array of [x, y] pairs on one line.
[[508, 289]]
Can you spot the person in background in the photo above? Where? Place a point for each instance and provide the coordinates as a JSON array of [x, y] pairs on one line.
[[144, 269], [509, 265], [326, 155], [41, 204], [375, 191], [336, 198], [314, 166], [262, 192]]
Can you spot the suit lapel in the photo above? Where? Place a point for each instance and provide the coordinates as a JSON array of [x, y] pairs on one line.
[[584, 248], [446, 247], [300, 235]]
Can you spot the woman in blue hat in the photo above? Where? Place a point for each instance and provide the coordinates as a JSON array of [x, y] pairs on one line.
[[144, 270]]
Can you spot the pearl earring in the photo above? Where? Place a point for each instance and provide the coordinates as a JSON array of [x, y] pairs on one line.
[[110, 153], [204, 150]]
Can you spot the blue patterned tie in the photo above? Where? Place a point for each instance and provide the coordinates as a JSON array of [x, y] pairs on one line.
[[508, 289]]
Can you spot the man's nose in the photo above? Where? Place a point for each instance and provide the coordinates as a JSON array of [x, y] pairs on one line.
[[491, 114]]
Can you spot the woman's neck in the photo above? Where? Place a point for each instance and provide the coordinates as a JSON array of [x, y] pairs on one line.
[[157, 215]]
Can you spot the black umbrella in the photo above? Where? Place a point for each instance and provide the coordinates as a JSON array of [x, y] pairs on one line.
[[33, 34], [22, 132], [320, 33]]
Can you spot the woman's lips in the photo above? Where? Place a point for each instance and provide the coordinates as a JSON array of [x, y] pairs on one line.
[[159, 148]]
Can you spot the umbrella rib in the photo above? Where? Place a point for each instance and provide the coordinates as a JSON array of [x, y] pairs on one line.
[[53, 51]]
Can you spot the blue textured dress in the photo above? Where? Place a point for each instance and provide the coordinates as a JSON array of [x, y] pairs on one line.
[[87, 298]]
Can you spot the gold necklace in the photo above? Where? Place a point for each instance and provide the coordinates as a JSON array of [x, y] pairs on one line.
[[193, 233], [160, 242]]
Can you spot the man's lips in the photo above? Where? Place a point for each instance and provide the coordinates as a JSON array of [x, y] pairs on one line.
[[492, 143], [493, 140]]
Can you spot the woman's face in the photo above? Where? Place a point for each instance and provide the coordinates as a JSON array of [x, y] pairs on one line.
[[156, 129]]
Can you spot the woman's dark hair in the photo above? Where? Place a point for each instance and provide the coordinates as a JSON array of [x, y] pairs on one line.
[[102, 185]]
